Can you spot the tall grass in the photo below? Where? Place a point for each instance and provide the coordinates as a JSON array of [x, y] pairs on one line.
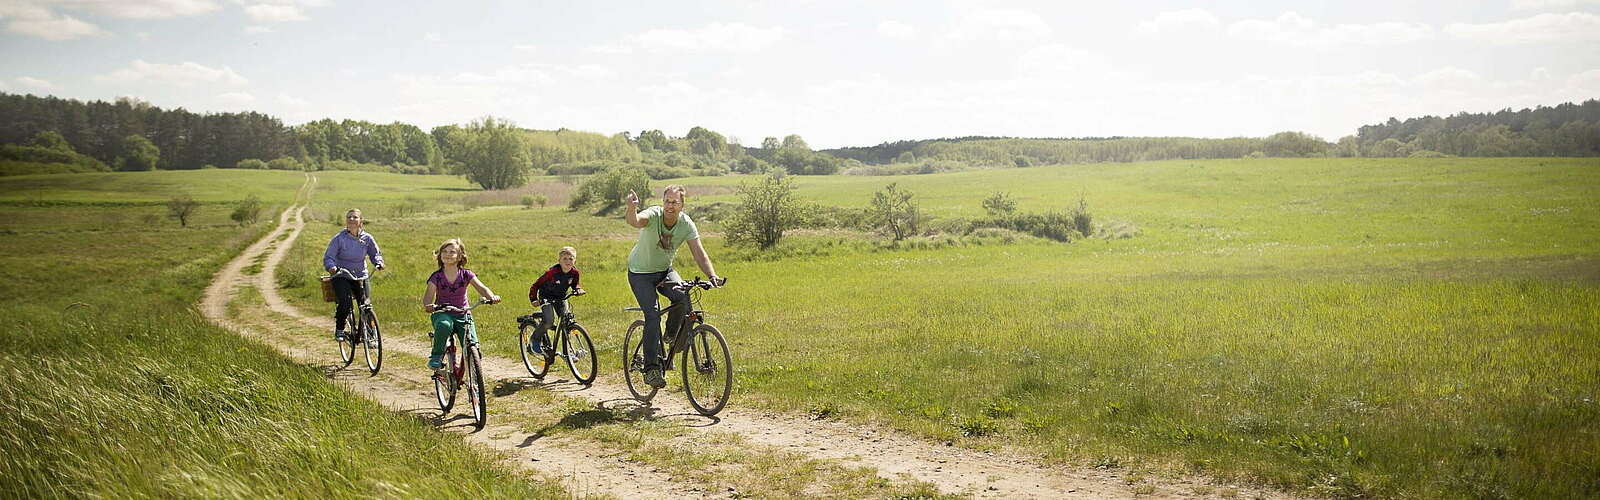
[[117, 388]]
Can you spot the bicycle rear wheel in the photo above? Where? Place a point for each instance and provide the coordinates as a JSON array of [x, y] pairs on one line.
[[707, 370], [444, 388], [475, 392], [633, 363], [372, 341], [535, 363], [579, 351]]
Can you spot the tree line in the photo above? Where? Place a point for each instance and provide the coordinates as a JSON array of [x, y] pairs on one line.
[[132, 134], [1563, 130]]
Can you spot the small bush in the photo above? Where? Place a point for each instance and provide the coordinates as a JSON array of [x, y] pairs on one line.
[[284, 163], [182, 207], [1081, 219], [999, 204], [893, 211], [604, 191], [769, 208], [252, 164], [527, 202], [248, 211]]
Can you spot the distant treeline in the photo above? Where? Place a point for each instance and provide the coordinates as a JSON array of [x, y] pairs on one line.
[[49, 134], [109, 133], [1564, 130]]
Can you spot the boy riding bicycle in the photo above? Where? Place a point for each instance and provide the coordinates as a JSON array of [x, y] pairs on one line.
[[549, 293]]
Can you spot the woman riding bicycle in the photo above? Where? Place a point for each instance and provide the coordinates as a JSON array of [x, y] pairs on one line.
[[662, 229], [348, 250]]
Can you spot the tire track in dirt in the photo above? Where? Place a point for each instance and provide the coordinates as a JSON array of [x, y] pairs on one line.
[[894, 455]]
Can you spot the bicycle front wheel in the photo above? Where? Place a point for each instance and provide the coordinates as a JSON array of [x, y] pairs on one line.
[[444, 387], [535, 363], [373, 342], [347, 347], [707, 370], [579, 351], [633, 363], [475, 392]]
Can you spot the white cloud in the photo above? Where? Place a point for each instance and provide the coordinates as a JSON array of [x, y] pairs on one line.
[[187, 74], [716, 37], [1569, 27], [257, 30], [142, 36], [236, 99], [35, 83], [292, 101], [526, 47], [1292, 29], [896, 30], [1178, 21], [275, 12], [33, 20], [1550, 4], [1000, 24], [1057, 61], [142, 9], [431, 37]]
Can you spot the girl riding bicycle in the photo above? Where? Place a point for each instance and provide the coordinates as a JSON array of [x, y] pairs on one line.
[[348, 250], [448, 287], [661, 230]]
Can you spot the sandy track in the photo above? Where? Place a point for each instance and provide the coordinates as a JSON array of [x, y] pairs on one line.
[[892, 454]]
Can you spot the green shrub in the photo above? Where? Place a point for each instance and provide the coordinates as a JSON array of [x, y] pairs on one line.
[[284, 163], [894, 211], [604, 191], [248, 211], [251, 164], [999, 204], [1081, 219], [768, 208]]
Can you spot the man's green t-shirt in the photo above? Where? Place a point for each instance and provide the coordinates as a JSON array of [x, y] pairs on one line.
[[657, 244]]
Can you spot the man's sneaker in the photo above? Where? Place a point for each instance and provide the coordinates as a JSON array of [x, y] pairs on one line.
[[654, 378], [339, 336]]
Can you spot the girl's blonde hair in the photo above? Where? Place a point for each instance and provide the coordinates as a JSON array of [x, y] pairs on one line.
[[567, 251], [460, 248], [356, 211]]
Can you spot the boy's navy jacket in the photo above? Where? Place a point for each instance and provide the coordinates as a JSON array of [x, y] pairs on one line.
[[554, 284]]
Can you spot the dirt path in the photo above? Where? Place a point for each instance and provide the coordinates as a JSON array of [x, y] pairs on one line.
[[891, 454]]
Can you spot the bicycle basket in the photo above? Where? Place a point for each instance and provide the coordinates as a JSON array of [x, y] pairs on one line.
[[327, 289]]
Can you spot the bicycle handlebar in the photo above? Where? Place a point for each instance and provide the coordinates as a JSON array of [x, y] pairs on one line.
[[684, 286], [348, 274], [454, 309], [570, 294]]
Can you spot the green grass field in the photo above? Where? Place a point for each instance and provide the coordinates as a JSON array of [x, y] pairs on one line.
[[116, 386], [1340, 327]]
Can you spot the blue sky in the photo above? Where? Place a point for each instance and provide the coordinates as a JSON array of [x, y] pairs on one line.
[[837, 73]]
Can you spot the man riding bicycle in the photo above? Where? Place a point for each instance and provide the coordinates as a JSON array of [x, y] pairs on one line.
[[662, 229]]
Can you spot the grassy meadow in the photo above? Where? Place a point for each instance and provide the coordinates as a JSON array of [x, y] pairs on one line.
[[117, 387], [1339, 327]]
